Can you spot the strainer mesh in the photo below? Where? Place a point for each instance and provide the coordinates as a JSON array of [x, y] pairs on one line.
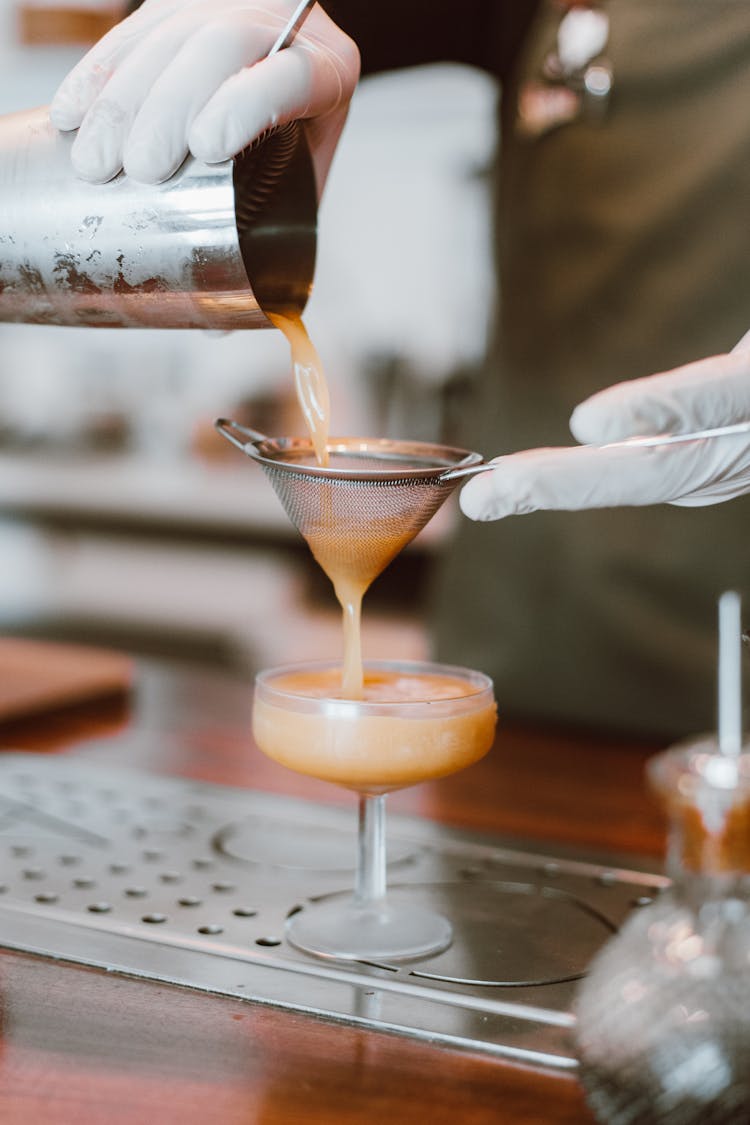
[[356, 524]]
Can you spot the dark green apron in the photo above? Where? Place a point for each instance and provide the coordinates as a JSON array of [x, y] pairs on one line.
[[624, 249]]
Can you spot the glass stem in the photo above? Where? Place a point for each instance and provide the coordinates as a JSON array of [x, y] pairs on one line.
[[370, 884]]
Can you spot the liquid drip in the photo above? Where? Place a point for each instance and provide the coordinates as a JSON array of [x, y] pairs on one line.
[[353, 556]]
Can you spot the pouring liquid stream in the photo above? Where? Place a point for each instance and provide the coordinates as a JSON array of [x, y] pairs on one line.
[[309, 381], [314, 400]]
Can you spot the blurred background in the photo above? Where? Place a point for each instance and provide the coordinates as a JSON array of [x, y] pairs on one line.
[[124, 520]]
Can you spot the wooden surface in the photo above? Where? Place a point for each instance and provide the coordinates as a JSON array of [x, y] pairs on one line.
[[78, 1046], [41, 25], [36, 676]]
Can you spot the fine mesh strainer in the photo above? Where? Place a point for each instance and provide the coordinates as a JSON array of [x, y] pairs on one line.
[[362, 508]]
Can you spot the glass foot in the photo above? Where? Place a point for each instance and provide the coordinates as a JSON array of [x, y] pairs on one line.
[[383, 931]]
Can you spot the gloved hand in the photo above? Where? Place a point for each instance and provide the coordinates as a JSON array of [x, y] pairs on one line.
[[706, 394], [181, 75]]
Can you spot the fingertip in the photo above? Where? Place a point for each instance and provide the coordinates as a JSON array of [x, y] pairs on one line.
[[152, 163], [76, 94], [467, 502], [67, 109], [479, 501], [64, 116], [580, 424], [208, 151], [212, 139], [95, 175], [243, 108], [142, 173], [96, 153], [97, 164], [593, 422]]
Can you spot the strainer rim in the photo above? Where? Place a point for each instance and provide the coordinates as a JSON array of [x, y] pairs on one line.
[[453, 457]]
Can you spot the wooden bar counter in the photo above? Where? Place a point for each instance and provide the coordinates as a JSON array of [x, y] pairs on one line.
[[82, 1046]]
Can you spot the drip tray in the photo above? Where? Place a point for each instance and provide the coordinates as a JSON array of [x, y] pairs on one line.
[[191, 884]]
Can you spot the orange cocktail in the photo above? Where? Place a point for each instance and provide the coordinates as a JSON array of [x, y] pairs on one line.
[[414, 722]]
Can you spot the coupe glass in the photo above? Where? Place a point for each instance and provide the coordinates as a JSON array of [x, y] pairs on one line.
[[417, 721]]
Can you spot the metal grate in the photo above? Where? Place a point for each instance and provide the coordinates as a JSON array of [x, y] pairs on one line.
[[191, 884]]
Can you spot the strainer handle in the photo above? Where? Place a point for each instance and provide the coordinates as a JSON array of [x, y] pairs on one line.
[[466, 471], [230, 430], [651, 440]]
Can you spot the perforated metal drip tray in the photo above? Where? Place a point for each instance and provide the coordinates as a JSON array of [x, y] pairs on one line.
[[191, 884]]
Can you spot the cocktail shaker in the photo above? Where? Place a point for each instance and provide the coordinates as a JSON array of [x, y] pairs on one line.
[[210, 248]]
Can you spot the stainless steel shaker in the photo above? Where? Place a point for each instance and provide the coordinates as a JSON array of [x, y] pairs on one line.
[[212, 247]]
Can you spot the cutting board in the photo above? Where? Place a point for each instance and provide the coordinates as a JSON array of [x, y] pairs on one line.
[[39, 676]]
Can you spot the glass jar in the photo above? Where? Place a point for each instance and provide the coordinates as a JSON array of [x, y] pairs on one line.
[[663, 1016]]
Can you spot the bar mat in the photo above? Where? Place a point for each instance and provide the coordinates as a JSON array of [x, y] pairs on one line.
[[191, 884]]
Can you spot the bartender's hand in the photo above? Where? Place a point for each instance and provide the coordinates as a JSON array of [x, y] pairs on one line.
[[181, 75], [706, 394]]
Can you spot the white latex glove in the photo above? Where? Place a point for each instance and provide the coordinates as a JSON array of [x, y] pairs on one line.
[[181, 75], [706, 394], [582, 35]]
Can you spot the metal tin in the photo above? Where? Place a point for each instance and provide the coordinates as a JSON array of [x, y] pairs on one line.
[[209, 248]]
